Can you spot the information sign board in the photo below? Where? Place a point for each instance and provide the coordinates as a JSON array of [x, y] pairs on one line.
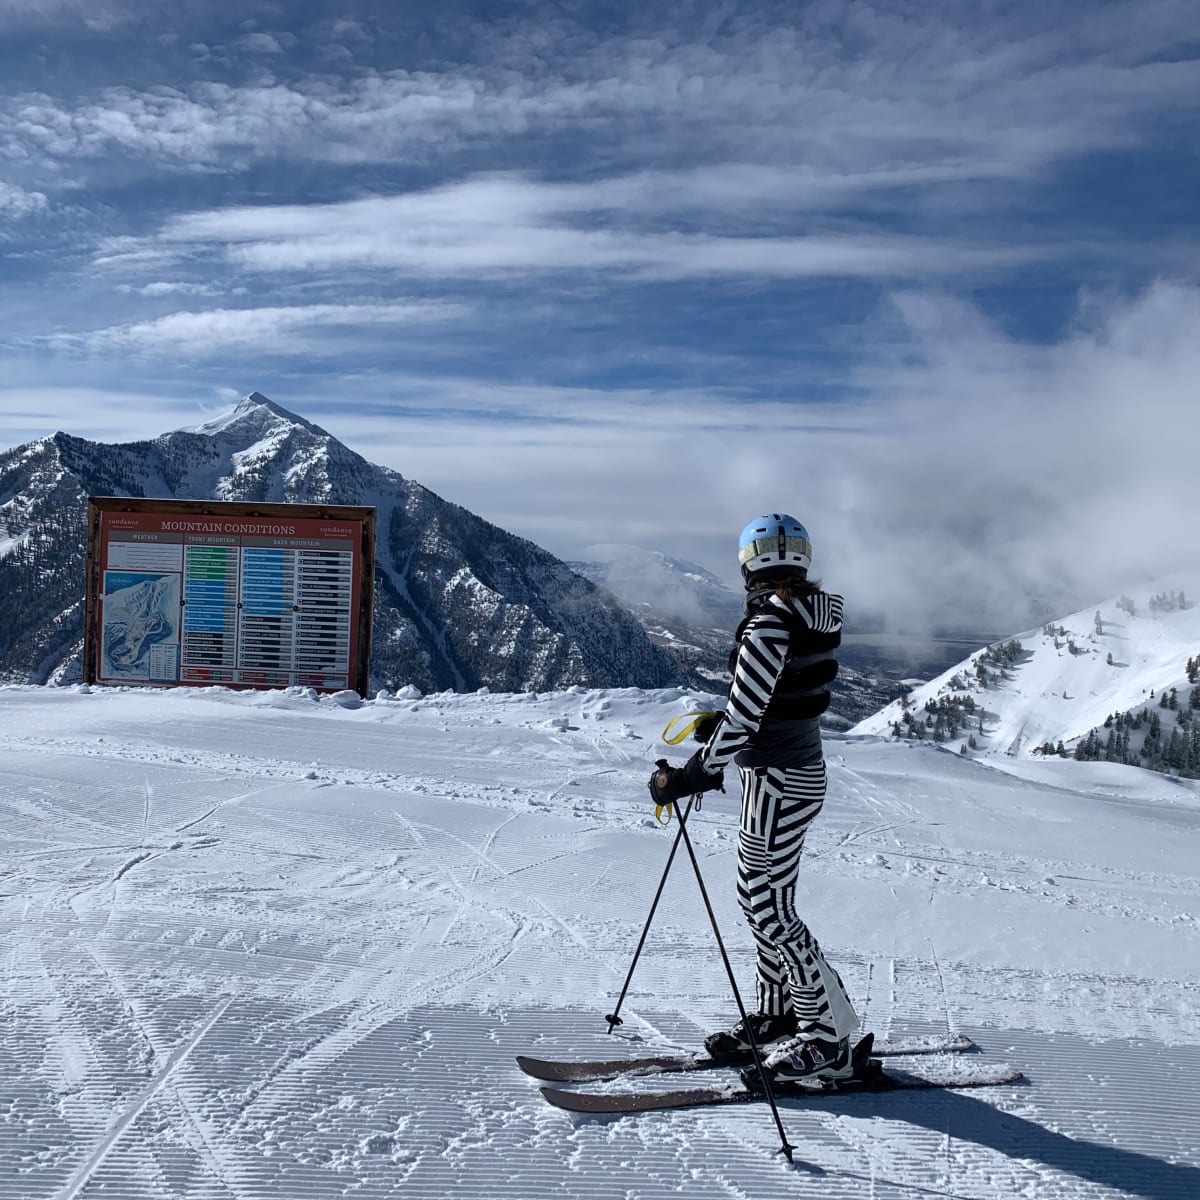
[[244, 595]]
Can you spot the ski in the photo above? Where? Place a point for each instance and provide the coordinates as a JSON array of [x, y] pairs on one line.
[[951, 1075], [596, 1070]]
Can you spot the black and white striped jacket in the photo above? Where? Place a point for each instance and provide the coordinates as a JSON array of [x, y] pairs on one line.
[[783, 661]]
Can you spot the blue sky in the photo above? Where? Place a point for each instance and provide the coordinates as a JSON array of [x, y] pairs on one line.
[[618, 273]]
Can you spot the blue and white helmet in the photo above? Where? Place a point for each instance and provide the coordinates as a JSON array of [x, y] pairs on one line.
[[774, 544]]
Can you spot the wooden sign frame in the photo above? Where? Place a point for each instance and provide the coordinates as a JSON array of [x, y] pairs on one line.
[[188, 593]]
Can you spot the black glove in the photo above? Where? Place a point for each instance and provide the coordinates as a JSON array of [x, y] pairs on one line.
[[669, 783], [704, 729]]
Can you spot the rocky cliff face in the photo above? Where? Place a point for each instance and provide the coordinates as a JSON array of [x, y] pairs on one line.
[[460, 604]]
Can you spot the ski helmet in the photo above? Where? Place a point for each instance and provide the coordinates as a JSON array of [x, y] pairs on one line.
[[773, 545]]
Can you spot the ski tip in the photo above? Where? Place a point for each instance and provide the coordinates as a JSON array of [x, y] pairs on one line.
[[556, 1096], [577, 1102], [538, 1068]]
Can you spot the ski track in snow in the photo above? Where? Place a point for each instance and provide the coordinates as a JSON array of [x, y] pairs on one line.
[[264, 946]]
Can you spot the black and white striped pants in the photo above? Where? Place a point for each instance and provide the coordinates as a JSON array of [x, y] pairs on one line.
[[777, 808]]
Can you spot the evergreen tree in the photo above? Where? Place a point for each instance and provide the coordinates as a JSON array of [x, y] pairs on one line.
[[1174, 756]]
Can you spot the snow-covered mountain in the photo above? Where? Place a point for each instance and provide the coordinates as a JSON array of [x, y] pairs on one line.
[[459, 603], [1056, 684]]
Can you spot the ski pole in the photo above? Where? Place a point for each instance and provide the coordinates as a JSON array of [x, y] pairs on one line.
[[785, 1147], [613, 1018]]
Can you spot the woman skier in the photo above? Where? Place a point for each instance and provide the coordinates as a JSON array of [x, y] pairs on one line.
[[770, 729]]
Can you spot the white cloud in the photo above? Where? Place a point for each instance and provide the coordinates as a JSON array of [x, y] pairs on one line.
[[170, 287], [259, 43], [31, 411], [499, 224], [267, 330], [16, 202], [977, 471], [843, 94], [1009, 471]]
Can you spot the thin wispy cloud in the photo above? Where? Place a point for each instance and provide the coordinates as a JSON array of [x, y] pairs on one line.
[[29, 411], [38, 15], [259, 43], [910, 94], [502, 224], [177, 287], [269, 331]]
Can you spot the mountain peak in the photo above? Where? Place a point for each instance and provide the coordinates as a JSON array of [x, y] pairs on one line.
[[258, 410]]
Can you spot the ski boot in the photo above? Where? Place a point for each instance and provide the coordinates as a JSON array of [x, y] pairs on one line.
[[731, 1047], [817, 1061]]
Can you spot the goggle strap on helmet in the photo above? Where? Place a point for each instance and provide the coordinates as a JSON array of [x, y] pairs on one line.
[[778, 549]]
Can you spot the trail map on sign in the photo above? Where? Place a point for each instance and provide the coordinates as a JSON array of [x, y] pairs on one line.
[[140, 639]]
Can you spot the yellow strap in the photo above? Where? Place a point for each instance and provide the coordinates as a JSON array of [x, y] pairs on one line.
[[659, 809], [673, 739]]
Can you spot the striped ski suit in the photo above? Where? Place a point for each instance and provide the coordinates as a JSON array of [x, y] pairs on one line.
[[771, 731]]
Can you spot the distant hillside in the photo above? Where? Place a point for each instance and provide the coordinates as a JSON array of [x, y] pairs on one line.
[[459, 603], [1058, 685], [687, 612], [691, 614]]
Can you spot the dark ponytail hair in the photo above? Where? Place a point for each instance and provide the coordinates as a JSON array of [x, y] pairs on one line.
[[795, 587], [788, 583]]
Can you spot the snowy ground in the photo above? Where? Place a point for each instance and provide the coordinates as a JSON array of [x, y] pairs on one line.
[[265, 945]]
